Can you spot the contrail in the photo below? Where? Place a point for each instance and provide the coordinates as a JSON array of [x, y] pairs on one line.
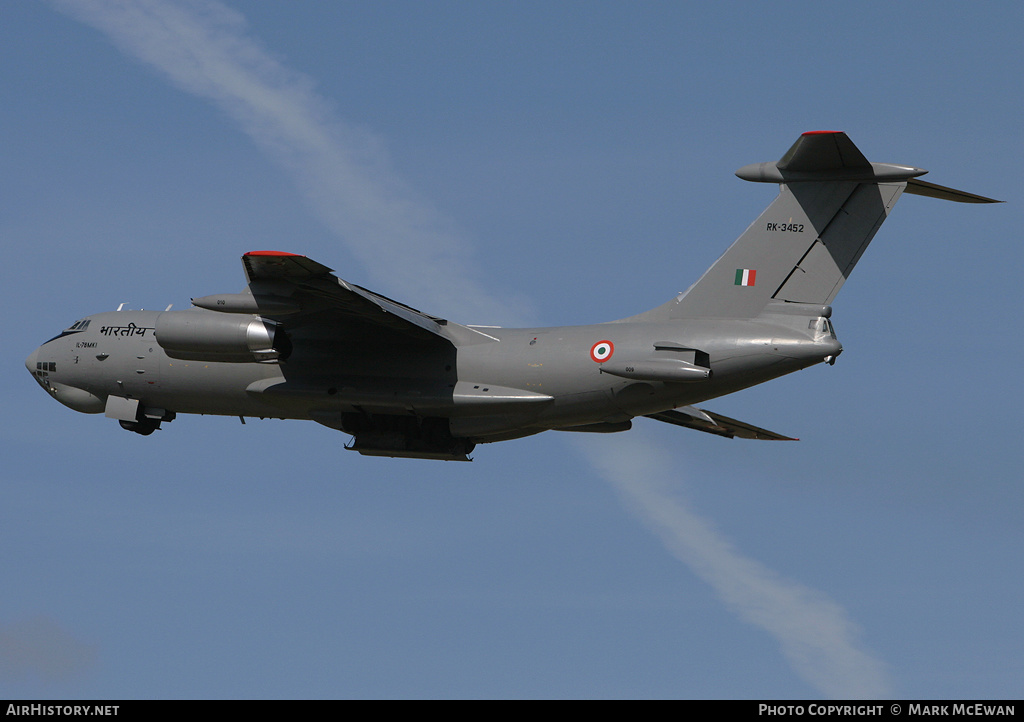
[[205, 49], [343, 172], [815, 634]]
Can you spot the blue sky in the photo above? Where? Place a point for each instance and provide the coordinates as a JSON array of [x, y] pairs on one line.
[[546, 163]]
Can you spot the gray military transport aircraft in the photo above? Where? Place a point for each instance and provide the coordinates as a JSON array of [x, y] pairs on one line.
[[300, 343]]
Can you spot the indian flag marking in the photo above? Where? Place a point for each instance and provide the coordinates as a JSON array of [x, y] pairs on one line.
[[602, 351], [745, 276]]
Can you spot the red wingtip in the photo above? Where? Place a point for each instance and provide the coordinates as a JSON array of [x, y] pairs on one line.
[[272, 253], [822, 132]]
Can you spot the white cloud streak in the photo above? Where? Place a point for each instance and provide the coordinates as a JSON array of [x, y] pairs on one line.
[[344, 173], [204, 48], [814, 633]]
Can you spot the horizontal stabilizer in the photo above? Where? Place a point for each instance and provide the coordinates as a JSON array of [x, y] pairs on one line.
[[826, 155], [924, 188], [712, 423]]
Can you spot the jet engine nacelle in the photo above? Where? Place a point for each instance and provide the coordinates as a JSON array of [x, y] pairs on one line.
[[201, 336]]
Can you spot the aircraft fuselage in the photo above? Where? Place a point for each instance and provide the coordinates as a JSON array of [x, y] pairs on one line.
[[505, 383]]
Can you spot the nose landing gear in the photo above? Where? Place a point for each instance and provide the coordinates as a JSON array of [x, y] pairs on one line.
[[145, 427], [133, 416]]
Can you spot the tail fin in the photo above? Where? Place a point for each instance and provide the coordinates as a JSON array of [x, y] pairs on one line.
[[806, 243]]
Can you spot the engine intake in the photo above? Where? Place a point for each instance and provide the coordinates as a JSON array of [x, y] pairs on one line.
[[201, 336]]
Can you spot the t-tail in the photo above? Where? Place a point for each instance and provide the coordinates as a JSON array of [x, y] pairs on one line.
[[806, 243]]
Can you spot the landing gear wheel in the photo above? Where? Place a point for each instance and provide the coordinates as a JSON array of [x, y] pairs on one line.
[[144, 427]]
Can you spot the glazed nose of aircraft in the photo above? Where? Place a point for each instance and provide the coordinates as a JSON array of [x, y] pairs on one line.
[[65, 391], [35, 368]]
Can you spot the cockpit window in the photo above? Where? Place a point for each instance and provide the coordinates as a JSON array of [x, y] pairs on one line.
[[76, 327]]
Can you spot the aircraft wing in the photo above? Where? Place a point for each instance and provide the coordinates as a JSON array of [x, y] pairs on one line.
[[701, 420], [287, 284]]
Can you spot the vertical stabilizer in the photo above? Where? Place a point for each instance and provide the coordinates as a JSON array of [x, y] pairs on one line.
[[804, 246], [800, 249]]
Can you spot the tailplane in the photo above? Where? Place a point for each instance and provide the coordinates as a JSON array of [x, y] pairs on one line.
[[807, 242]]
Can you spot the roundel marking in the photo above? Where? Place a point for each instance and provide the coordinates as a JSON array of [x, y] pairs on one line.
[[602, 351]]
